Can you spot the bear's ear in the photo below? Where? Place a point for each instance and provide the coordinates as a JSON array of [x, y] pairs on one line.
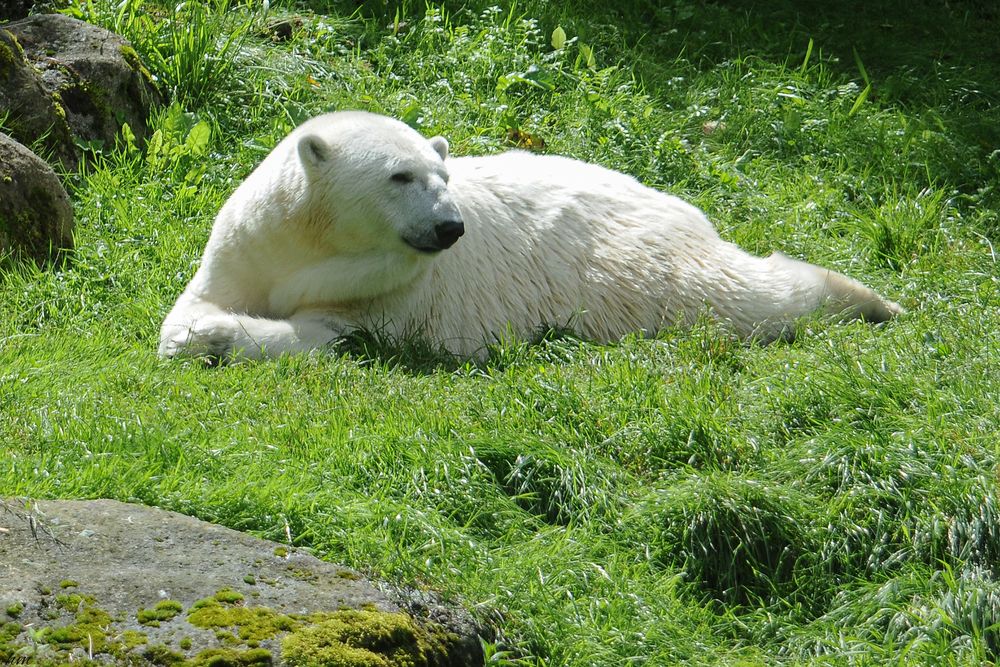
[[440, 144], [314, 151]]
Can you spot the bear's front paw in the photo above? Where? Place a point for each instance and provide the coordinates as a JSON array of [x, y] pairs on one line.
[[211, 338]]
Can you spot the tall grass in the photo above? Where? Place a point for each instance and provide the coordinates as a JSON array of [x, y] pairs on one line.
[[193, 47]]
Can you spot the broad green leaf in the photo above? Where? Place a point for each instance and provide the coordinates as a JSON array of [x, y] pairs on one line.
[[197, 140], [154, 147], [128, 137], [558, 38]]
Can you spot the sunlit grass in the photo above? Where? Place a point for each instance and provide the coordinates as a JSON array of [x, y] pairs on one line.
[[678, 499]]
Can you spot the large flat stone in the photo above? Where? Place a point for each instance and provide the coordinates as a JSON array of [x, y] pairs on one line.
[[89, 567]]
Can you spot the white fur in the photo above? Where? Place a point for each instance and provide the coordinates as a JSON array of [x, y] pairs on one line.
[[319, 240]]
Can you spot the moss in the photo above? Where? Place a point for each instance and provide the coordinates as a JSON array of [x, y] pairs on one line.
[[131, 56], [249, 579], [9, 631], [281, 552], [89, 631], [92, 616], [229, 596], [221, 657], [339, 655], [65, 583], [158, 654], [11, 54], [14, 610], [65, 637], [346, 638], [132, 638], [252, 623], [57, 106], [362, 639], [226, 637], [71, 601], [351, 638], [163, 611]]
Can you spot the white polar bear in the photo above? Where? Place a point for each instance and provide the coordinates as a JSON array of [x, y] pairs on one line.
[[357, 221]]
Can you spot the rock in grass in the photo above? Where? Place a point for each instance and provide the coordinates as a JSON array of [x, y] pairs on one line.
[[36, 219], [155, 587], [29, 112], [82, 84]]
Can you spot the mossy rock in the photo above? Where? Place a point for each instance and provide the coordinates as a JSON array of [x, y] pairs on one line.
[[33, 115], [154, 587], [357, 638], [36, 218], [91, 83]]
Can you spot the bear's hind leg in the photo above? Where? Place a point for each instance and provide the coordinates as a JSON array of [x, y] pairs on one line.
[[839, 296]]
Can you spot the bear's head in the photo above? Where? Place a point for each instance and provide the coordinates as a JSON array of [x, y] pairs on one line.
[[377, 185]]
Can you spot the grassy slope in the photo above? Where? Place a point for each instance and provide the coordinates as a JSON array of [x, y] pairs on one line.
[[679, 499]]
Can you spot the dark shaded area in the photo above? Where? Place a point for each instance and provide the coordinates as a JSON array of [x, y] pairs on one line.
[[14, 9], [739, 541], [919, 36], [939, 62], [11, 10]]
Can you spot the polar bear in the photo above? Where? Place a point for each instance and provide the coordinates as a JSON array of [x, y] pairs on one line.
[[355, 220]]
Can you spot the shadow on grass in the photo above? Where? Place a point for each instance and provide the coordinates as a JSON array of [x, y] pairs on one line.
[[415, 354], [919, 36], [938, 61]]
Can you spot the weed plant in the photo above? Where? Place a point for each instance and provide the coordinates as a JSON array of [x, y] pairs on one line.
[[680, 499]]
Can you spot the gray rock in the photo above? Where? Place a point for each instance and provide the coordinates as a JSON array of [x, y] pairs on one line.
[[129, 584], [29, 112], [36, 219], [89, 76]]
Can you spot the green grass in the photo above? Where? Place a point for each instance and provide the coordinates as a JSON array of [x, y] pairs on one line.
[[683, 499]]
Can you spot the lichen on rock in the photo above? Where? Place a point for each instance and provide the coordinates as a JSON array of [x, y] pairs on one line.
[[355, 638], [186, 602], [73, 83], [163, 611], [253, 624], [30, 114]]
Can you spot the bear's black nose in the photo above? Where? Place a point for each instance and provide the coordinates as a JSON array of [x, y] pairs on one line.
[[447, 232]]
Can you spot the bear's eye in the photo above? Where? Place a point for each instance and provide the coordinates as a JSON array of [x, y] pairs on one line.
[[403, 177]]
